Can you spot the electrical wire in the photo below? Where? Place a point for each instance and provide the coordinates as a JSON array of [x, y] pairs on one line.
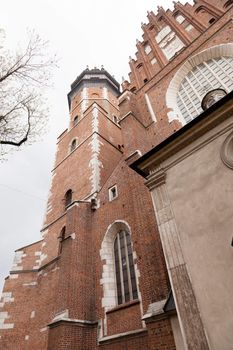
[[20, 191]]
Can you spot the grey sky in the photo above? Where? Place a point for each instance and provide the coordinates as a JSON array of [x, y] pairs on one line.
[[81, 33]]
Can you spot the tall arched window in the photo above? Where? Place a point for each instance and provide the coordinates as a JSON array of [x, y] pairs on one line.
[[68, 198], [124, 268]]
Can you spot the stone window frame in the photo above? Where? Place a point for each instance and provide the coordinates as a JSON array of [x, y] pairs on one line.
[[111, 195], [225, 50], [108, 278]]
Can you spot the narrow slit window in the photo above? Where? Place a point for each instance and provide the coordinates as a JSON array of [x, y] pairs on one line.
[[61, 238], [115, 119], [68, 198], [73, 145], [76, 120]]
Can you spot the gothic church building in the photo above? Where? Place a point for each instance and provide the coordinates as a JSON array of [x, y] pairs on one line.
[[113, 269]]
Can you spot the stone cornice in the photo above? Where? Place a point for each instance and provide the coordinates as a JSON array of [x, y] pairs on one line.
[[156, 179]]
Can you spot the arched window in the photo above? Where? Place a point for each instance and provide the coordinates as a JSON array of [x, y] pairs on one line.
[[73, 145], [68, 198], [207, 70], [124, 268], [75, 119], [212, 74]]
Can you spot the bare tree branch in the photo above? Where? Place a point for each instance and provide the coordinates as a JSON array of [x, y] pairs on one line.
[[23, 108]]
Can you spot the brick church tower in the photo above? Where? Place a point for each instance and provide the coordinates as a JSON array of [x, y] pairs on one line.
[[98, 278], [94, 225]]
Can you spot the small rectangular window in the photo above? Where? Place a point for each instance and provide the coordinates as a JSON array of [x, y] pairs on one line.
[[112, 193]]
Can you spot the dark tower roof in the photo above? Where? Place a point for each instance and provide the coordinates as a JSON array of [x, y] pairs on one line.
[[94, 75]]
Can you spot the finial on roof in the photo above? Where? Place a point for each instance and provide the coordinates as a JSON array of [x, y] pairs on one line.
[[95, 67], [87, 67], [102, 67]]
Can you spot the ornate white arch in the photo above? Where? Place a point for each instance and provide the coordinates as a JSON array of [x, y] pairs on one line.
[[225, 50], [108, 281]]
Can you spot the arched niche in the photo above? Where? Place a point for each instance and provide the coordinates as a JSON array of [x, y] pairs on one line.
[[108, 280]]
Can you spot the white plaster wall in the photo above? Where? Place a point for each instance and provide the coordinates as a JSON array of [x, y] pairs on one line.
[[201, 192]]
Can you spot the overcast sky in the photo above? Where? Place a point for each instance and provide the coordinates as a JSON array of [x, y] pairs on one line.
[[82, 33]]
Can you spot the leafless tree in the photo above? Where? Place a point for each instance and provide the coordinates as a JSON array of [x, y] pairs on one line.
[[24, 75]]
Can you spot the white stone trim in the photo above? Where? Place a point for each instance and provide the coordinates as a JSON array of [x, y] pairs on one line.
[[3, 317], [150, 108], [108, 280], [120, 335], [13, 276], [43, 329], [95, 164], [62, 315], [6, 298], [30, 284], [84, 98], [111, 197], [19, 255], [224, 50]]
